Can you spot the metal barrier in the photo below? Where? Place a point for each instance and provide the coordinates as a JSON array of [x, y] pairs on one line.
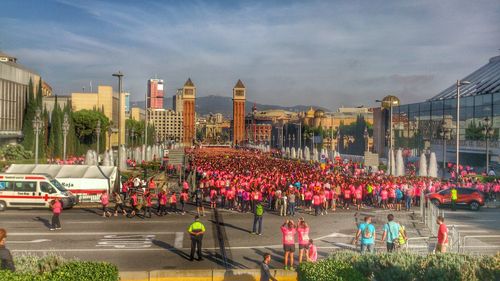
[[430, 212], [479, 244], [420, 245]]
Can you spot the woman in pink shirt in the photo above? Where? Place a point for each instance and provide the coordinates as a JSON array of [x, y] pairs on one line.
[[105, 203], [288, 231], [383, 196], [56, 207], [303, 237], [312, 252]]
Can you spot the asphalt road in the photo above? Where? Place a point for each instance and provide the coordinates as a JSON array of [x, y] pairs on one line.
[[162, 242]]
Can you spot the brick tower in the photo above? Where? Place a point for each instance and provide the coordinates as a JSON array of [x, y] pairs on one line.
[[188, 113], [239, 98]]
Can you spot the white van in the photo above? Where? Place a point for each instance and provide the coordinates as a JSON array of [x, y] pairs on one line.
[[32, 191]]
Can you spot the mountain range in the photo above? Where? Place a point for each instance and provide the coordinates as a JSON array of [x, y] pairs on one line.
[[219, 104]]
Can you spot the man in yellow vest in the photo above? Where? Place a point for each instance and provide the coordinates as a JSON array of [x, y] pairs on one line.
[[454, 198], [196, 231]]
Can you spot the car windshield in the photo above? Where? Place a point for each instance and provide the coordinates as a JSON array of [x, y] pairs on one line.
[[58, 185]]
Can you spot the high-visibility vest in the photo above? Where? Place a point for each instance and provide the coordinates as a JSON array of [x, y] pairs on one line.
[[454, 194], [196, 227]]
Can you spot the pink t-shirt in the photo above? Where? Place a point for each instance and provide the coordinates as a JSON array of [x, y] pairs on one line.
[[57, 208], [288, 235], [105, 199], [383, 194], [303, 235]]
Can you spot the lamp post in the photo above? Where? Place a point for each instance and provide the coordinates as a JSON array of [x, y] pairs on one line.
[[119, 75], [110, 131], [65, 129], [365, 136], [289, 140], [390, 102], [299, 137], [459, 84], [488, 133], [37, 127], [98, 133], [446, 135]]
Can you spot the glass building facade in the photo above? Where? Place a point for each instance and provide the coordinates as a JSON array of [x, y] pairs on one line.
[[423, 126]]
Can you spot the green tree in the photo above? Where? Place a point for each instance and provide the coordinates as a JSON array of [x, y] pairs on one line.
[[55, 146], [85, 122], [29, 114]]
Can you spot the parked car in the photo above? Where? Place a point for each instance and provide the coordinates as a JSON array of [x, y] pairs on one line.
[[467, 197]]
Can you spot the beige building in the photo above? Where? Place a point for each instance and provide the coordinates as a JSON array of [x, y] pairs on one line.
[[328, 120], [177, 101], [14, 81], [168, 124], [107, 101], [137, 114], [50, 102]]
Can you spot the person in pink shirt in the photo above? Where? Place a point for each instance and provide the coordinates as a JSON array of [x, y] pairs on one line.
[[105, 202], [358, 196], [384, 196], [303, 237], [56, 207], [312, 252], [288, 231]]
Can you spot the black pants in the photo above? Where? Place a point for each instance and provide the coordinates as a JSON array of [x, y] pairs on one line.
[[147, 211], [453, 205], [196, 243], [119, 206], [56, 223]]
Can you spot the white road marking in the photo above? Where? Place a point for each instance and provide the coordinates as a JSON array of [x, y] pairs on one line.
[[475, 231], [179, 238], [29, 242], [126, 241], [60, 233]]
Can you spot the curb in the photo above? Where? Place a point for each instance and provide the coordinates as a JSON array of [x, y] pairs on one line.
[[205, 275]]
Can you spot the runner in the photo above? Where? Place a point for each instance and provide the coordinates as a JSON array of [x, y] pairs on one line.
[[312, 252], [303, 237], [105, 202], [288, 231], [118, 204], [56, 207]]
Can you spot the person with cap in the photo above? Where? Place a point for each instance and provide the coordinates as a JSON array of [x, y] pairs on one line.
[[196, 231], [6, 261]]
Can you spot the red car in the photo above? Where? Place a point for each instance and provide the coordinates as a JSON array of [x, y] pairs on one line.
[[470, 197]]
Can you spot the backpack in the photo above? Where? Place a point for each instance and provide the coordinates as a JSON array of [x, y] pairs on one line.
[[259, 210], [367, 234]]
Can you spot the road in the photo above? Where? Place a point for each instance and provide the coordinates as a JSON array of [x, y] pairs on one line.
[[162, 242]]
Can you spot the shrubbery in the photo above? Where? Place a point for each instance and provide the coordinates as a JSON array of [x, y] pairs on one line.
[[56, 268], [402, 267]]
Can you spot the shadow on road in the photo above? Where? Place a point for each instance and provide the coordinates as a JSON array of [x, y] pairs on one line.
[[232, 226], [170, 248], [45, 221]]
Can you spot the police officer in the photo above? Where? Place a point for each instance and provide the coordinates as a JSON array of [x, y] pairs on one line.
[[196, 231], [454, 198]]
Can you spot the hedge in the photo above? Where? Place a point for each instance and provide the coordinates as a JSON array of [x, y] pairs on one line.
[[72, 270], [401, 266]]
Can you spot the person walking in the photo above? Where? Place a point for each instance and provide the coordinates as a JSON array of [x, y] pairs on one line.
[[6, 261], [184, 197], [196, 231], [391, 233], [454, 198], [199, 202], [288, 231], [442, 238], [148, 196], [105, 202], [56, 207], [265, 274], [366, 231], [118, 204], [257, 219]]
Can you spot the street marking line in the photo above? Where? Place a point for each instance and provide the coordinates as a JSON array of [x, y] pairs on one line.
[[126, 241], [87, 233], [179, 238], [29, 242]]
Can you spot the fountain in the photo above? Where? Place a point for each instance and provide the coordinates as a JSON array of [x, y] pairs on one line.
[[307, 154], [287, 152], [293, 154], [89, 158], [433, 169], [123, 157], [400, 166], [149, 154], [137, 155], [300, 154], [392, 163], [111, 157], [105, 161], [422, 171], [315, 155]]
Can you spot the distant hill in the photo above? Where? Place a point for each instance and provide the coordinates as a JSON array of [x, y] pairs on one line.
[[224, 105]]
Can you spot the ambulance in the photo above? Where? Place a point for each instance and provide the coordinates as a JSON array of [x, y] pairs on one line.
[[32, 191]]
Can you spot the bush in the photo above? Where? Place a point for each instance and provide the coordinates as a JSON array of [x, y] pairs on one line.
[[15, 152], [72, 270], [38, 264], [402, 266], [328, 270]]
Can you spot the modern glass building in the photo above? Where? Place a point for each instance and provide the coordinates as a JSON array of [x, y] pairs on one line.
[[427, 125]]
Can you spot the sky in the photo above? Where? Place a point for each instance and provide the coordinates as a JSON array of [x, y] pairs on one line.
[[325, 53]]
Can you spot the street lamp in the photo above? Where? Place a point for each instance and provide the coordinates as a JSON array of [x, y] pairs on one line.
[[65, 129], [119, 75], [37, 127], [459, 84], [390, 102], [289, 140], [98, 133], [446, 135], [488, 133], [365, 136]]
